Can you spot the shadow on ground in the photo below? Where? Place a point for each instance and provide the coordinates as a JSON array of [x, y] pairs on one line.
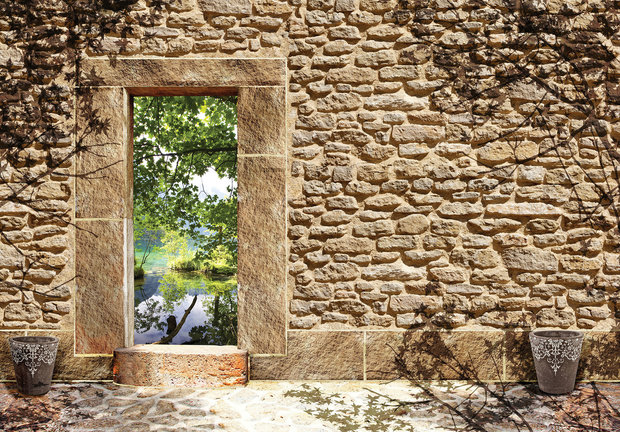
[[308, 407]]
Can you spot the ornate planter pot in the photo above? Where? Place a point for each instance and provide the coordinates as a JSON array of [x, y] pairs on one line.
[[33, 360], [556, 358]]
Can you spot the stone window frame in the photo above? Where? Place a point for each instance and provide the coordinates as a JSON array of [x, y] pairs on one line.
[[104, 299]]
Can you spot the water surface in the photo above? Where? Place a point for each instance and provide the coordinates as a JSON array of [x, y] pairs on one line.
[[164, 292]]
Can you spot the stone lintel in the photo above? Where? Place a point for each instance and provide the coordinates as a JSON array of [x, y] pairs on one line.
[[194, 72], [180, 365], [182, 91]]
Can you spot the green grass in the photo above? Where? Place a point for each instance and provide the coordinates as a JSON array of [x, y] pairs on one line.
[[181, 264]]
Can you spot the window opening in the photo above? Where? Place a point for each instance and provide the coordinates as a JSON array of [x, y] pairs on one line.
[[185, 220]]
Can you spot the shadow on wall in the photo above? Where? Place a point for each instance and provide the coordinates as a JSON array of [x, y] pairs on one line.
[[489, 401]]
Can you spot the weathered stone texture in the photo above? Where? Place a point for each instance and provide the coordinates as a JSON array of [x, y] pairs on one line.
[[99, 302], [229, 7], [183, 365], [404, 208], [72, 367], [262, 112], [315, 355], [428, 196], [435, 355], [102, 191], [185, 73], [261, 276]]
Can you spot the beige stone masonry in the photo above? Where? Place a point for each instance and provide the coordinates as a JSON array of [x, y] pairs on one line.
[[491, 355], [136, 74], [102, 189], [100, 310], [104, 300], [314, 355], [380, 206], [261, 261], [180, 365]]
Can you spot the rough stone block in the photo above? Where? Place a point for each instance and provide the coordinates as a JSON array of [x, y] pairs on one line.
[[180, 365], [460, 210], [262, 254], [523, 210], [580, 264], [101, 187], [261, 120], [418, 133], [405, 103], [351, 75], [530, 259], [99, 301], [335, 272], [314, 355], [414, 303], [435, 355], [10, 258], [348, 245], [182, 73]]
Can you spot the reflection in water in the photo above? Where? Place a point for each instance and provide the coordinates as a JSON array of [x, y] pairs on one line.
[[151, 317], [164, 296]]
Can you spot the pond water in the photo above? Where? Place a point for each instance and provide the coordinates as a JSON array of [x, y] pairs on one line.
[[164, 293]]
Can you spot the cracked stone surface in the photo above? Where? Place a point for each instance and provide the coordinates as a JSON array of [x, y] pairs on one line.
[[308, 406]]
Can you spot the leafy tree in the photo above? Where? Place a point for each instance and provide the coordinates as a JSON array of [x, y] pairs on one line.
[[178, 139], [179, 256], [147, 238], [223, 310]]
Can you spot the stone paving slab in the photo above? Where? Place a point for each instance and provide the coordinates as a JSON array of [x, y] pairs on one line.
[[274, 406]]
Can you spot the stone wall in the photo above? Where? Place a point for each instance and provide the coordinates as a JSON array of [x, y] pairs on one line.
[[423, 193]]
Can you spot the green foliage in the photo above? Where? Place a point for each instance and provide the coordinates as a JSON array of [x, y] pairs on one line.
[[223, 308], [147, 238], [178, 253], [221, 262], [174, 287], [177, 139], [149, 317], [186, 265], [221, 305], [138, 272], [176, 246]]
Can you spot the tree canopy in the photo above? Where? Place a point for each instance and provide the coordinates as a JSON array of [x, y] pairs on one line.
[[178, 139]]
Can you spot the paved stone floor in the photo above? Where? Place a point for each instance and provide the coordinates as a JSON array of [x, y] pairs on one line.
[[312, 407]]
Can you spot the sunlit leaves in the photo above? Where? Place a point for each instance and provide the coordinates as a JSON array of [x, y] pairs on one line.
[[177, 139]]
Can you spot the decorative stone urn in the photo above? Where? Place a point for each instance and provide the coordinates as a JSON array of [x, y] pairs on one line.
[[33, 360], [556, 358]]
